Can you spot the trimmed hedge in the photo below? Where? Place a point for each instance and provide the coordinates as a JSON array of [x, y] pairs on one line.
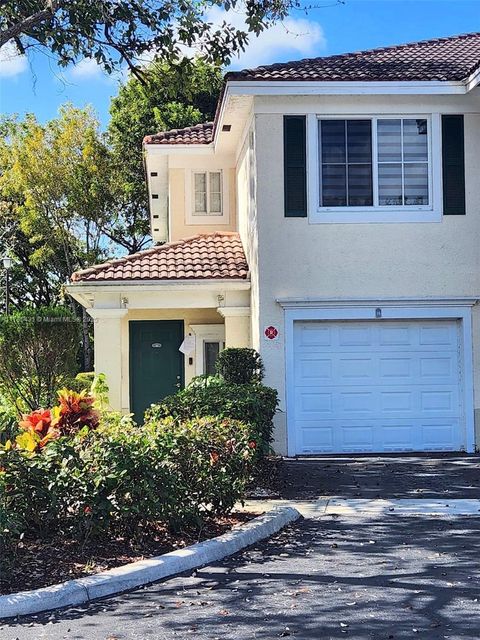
[[120, 477], [240, 365], [253, 404]]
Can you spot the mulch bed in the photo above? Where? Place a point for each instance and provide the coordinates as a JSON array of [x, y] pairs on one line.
[[40, 563]]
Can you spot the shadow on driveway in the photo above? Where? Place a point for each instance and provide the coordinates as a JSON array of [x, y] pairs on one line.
[[376, 579]]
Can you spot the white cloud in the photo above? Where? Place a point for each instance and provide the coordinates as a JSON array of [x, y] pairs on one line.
[[291, 39], [87, 69], [12, 63]]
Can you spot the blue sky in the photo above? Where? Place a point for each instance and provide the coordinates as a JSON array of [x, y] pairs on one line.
[[39, 86]]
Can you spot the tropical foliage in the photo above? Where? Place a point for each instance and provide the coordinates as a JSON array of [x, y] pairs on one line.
[[116, 31], [38, 353], [118, 477]]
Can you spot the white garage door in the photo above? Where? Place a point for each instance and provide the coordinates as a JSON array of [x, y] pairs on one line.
[[377, 386]]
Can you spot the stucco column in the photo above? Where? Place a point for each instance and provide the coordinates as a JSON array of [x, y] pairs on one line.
[[108, 350], [237, 326]]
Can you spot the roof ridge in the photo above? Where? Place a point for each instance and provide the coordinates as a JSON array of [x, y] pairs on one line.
[[152, 250], [350, 54]]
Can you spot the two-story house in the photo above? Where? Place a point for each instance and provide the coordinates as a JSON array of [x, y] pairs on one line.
[[330, 218]]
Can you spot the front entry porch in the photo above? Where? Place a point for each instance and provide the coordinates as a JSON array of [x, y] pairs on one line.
[[127, 340], [162, 315]]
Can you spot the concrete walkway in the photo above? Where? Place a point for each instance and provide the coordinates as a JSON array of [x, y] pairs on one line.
[[365, 507]]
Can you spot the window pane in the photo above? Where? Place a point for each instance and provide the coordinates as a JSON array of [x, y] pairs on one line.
[[360, 185], [200, 202], [416, 183], [390, 184], [211, 351], [200, 182], [389, 134], [333, 140], [215, 192], [359, 141], [415, 146], [215, 203], [215, 182], [334, 187], [200, 185]]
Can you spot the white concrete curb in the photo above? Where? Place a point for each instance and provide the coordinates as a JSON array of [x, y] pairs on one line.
[[136, 574]]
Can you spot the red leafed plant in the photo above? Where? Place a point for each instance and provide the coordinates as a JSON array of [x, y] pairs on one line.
[[75, 411], [39, 425]]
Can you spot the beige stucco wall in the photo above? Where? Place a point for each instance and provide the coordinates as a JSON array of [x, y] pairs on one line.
[[112, 346], [298, 259], [178, 223]]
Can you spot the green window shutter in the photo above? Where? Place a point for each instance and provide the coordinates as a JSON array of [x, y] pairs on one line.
[[453, 162], [295, 166]]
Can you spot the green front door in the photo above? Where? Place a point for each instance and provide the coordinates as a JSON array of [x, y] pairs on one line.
[[156, 364]]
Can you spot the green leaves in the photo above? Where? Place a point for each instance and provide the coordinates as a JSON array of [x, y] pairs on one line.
[[117, 31], [54, 187], [38, 349], [253, 404], [172, 95]]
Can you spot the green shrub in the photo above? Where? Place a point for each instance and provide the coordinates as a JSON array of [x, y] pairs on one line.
[[240, 366], [253, 404], [38, 350], [119, 477], [8, 423]]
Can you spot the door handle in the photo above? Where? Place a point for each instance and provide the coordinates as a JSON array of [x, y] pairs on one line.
[[178, 385]]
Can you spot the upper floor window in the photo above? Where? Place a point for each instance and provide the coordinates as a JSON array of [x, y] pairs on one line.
[[374, 164], [207, 189]]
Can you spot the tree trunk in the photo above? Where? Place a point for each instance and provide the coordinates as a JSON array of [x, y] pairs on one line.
[[87, 347]]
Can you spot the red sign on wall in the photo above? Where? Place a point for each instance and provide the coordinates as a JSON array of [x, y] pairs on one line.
[[271, 333]]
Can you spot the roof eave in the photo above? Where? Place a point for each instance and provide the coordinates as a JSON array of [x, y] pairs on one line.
[[155, 148], [186, 284], [342, 87]]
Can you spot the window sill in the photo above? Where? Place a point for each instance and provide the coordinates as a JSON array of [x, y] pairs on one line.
[[207, 219], [378, 216]]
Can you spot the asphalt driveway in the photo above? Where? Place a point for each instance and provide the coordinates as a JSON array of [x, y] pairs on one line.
[[380, 477], [333, 577]]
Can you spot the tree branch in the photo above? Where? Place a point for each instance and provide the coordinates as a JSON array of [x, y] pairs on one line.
[[31, 21]]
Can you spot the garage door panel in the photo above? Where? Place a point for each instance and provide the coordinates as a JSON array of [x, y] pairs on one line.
[[396, 336], [356, 367], [376, 386], [440, 435], [375, 436], [308, 336], [438, 335], [312, 404], [354, 335], [312, 369]]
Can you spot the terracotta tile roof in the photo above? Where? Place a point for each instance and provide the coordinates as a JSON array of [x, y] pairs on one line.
[[198, 134], [201, 257], [446, 59]]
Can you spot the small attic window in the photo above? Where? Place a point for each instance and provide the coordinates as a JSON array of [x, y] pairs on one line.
[[207, 190]]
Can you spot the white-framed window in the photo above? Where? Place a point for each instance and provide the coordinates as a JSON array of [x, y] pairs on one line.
[[206, 196], [207, 193], [374, 168]]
